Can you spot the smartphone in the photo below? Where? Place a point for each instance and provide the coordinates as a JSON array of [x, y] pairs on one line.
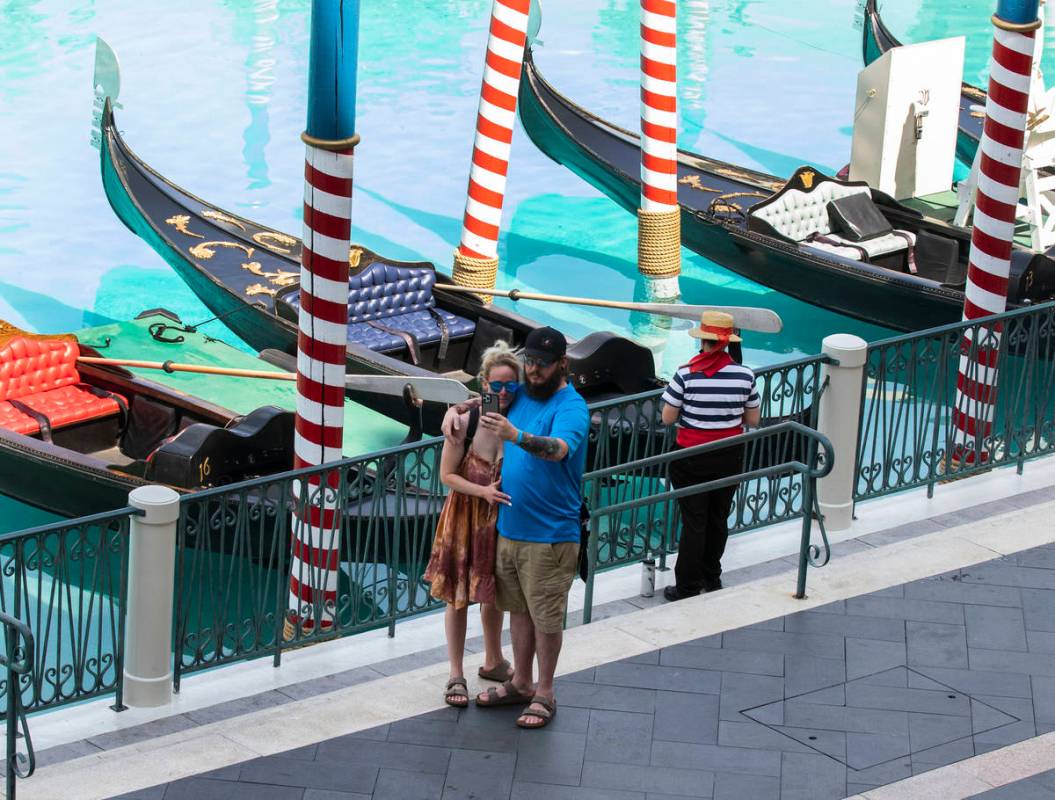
[[489, 403]]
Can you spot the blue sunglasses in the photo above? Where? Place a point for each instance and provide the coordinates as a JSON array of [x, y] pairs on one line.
[[509, 386]]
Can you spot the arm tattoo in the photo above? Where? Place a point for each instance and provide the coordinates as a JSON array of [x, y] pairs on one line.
[[547, 448]]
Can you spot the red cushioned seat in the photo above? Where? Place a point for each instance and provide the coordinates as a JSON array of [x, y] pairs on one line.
[[12, 419], [42, 374], [69, 404]]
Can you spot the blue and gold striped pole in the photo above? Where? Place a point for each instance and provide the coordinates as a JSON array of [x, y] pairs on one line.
[[329, 141]]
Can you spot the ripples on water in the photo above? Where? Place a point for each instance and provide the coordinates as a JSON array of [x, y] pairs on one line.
[[214, 98]]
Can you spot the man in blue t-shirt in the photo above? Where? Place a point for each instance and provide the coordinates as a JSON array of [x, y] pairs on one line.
[[538, 533]]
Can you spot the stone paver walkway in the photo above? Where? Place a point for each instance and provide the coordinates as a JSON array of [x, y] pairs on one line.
[[1039, 787], [818, 704]]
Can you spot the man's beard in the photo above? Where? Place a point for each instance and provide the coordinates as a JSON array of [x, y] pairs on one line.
[[544, 391]]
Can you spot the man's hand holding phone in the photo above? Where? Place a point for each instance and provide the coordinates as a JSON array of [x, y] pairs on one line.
[[489, 404]]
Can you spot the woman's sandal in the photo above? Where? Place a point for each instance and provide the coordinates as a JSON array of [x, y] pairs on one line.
[[502, 672], [546, 714], [456, 693], [512, 697]]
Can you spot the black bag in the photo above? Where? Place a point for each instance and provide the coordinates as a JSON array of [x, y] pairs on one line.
[[584, 540], [856, 217]]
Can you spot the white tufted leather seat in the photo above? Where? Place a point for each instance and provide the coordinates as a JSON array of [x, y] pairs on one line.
[[798, 215]]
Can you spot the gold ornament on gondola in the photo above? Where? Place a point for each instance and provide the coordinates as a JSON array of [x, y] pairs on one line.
[[206, 250], [354, 256], [9, 332], [807, 176], [279, 278], [745, 177], [259, 288], [219, 216], [179, 222], [279, 242], [694, 182]]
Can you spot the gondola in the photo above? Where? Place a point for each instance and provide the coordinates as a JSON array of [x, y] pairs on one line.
[[76, 438], [877, 39], [401, 321], [777, 232]]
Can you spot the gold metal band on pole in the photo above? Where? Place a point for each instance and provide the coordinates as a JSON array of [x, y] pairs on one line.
[[329, 144], [1015, 27]]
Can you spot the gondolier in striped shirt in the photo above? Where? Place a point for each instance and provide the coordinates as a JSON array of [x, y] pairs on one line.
[[710, 398]]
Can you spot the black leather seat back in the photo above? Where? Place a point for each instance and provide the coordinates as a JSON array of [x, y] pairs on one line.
[[602, 359], [206, 455]]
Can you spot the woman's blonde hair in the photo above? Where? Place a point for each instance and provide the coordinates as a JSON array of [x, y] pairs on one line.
[[500, 354]]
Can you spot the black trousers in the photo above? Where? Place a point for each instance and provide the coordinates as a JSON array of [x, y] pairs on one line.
[[704, 516]]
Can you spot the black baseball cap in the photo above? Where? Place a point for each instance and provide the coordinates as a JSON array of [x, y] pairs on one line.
[[545, 343]]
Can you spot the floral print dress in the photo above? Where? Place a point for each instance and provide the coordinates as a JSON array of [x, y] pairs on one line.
[[462, 566]]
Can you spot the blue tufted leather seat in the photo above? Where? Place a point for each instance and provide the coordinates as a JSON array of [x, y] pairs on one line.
[[400, 298]]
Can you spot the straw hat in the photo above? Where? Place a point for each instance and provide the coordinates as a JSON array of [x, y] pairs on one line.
[[715, 326]]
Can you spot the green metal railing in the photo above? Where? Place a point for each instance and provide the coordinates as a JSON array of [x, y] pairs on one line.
[[17, 661], [66, 582], [233, 544], [629, 430], [906, 433], [627, 530]]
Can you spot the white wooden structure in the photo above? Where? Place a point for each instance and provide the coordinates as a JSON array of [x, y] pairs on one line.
[[904, 140]]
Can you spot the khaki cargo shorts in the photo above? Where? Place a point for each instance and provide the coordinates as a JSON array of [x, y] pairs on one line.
[[534, 578]]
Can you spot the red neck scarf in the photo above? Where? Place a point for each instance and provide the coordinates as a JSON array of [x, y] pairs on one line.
[[710, 363]]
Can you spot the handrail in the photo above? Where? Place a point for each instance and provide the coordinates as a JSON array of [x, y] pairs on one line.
[[19, 661], [66, 524], [949, 327], [789, 426], [820, 465]]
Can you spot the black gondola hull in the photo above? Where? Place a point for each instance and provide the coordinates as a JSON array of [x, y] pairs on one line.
[[867, 292]]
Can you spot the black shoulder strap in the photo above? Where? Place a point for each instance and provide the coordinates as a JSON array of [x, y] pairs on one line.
[[474, 423]]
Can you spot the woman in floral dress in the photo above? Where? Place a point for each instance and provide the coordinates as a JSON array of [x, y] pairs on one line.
[[461, 569]]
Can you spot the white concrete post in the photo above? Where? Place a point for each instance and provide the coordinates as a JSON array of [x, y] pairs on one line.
[[148, 620], [839, 419]]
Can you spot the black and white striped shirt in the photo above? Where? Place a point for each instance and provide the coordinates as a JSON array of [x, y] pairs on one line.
[[715, 402]]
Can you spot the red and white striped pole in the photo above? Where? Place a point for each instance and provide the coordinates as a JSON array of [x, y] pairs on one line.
[[659, 217], [996, 199], [323, 317], [476, 257]]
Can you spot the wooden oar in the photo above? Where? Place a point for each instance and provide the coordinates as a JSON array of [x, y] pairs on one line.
[[746, 318], [440, 390]]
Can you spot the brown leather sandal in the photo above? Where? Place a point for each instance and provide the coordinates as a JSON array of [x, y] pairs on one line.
[[512, 697], [546, 714], [456, 693], [502, 672]]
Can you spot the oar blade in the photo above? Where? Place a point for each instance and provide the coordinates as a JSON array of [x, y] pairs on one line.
[[747, 318], [436, 390]]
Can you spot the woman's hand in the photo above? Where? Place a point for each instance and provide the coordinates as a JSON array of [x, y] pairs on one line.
[[456, 419], [492, 494]]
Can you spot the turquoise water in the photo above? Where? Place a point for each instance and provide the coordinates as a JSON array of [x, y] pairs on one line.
[[213, 97]]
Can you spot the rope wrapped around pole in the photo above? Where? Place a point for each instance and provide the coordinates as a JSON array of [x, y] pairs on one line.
[[475, 273], [659, 243]]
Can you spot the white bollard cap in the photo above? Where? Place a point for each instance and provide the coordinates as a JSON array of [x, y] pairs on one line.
[[161, 504], [850, 350]]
